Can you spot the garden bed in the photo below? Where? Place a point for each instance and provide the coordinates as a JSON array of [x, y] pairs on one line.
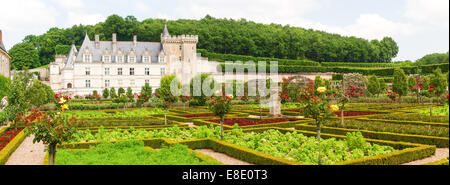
[[8, 135], [254, 146], [12, 145], [132, 153], [248, 122], [351, 114]]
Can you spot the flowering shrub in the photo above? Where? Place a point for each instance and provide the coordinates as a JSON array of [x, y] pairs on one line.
[[220, 105], [244, 98], [317, 107], [51, 128], [393, 95]]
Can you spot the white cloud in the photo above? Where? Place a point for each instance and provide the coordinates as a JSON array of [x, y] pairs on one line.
[[434, 12], [23, 17], [75, 18], [373, 26], [142, 7], [265, 11], [69, 3]]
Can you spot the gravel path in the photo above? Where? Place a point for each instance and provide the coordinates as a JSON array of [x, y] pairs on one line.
[[441, 153], [190, 124], [222, 157], [28, 153]]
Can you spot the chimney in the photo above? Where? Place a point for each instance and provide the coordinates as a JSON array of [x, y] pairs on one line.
[[114, 42], [134, 40], [97, 41]]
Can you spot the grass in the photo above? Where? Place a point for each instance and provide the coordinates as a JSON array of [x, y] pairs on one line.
[[129, 153], [437, 111]]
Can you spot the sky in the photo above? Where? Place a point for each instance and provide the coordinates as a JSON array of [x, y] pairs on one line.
[[419, 27]]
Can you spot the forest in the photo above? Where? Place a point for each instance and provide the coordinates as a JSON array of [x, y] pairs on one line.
[[224, 36]]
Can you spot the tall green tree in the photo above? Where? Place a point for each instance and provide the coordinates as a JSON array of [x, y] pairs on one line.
[[400, 85], [146, 90], [439, 81], [5, 85], [373, 86], [24, 55], [112, 93], [40, 94], [105, 93], [199, 99]]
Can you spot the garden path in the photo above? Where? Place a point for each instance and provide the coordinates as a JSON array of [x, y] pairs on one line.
[[441, 153], [28, 153], [222, 157]]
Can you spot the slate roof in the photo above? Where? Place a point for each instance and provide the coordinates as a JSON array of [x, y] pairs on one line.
[[154, 48]]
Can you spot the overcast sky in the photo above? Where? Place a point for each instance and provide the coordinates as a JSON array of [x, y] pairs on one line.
[[418, 26]]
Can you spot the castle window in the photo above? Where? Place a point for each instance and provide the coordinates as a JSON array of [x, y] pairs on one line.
[[88, 71], [181, 48], [163, 71], [119, 71], [147, 81], [106, 58], [147, 71], [131, 71], [69, 85], [131, 59], [161, 59], [119, 59], [86, 58], [88, 83], [146, 59], [106, 71], [106, 83], [179, 59]]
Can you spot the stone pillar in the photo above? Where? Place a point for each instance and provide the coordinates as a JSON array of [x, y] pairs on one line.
[[275, 102]]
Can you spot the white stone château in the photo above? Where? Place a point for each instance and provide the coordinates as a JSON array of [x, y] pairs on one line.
[[105, 64]]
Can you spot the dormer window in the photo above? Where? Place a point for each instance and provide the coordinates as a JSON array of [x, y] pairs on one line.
[[131, 59], [181, 48], [106, 58], [161, 59], [145, 59], [87, 58], [119, 59]]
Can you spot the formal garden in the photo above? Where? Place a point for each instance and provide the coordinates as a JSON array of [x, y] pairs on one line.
[[356, 120]]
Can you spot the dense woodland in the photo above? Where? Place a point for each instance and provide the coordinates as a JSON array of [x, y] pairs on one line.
[[226, 36]]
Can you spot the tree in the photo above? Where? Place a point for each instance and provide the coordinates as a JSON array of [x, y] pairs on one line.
[[199, 100], [24, 55], [5, 85], [400, 85], [112, 93], [374, 85], [18, 100], [120, 91], [146, 90], [165, 93], [105, 93], [220, 104], [439, 81], [129, 92], [40, 94], [411, 83], [435, 58]]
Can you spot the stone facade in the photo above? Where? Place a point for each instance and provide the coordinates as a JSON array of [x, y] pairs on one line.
[[105, 64], [5, 59]]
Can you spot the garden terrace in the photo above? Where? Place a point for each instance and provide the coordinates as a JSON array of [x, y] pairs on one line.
[[412, 117], [255, 151], [11, 145]]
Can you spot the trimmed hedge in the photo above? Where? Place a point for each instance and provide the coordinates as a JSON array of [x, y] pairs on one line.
[[408, 151], [12, 146], [281, 124], [428, 140], [406, 122]]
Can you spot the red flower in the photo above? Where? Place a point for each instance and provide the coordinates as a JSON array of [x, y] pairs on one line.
[[67, 98], [447, 96], [56, 95], [431, 86], [430, 90]]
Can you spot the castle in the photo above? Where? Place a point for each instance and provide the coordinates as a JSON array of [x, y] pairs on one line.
[[5, 59], [104, 64]]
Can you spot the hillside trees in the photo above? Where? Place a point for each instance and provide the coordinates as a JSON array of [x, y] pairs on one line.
[[24, 55], [227, 36]]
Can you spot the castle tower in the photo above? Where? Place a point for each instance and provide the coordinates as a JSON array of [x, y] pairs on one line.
[[181, 52]]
